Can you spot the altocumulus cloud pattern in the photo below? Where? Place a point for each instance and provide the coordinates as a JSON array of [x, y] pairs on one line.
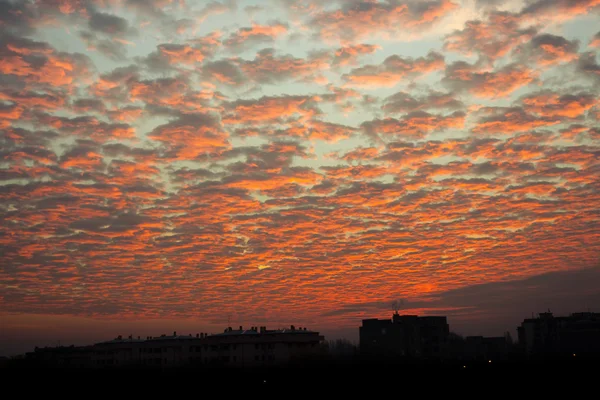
[[309, 158]]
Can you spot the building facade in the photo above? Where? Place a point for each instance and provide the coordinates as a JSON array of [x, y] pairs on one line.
[[405, 336], [578, 333], [236, 348]]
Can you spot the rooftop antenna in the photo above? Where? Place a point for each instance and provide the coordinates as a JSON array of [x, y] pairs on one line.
[[396, 305]]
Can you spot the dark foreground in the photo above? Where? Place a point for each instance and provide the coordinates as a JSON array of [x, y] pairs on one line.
[[573, 375]]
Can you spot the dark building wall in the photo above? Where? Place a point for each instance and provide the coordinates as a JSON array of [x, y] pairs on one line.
[[405, 335], [230, 348], [550, 335]]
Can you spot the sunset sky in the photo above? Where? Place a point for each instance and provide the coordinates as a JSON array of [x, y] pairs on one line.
[[185, 165]]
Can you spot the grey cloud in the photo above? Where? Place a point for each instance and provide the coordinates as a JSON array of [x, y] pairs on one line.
[[405, 102], [109, 24], [224, 71]]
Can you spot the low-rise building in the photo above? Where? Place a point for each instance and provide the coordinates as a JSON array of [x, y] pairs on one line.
[[578, 333], [238, 348], [405, 336]]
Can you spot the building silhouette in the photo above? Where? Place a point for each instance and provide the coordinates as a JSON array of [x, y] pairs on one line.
[[576, 334], [408, 336], [480, 348], [254, 347]]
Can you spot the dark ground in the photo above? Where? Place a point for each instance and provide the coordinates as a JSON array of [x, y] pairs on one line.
[[348, 378]]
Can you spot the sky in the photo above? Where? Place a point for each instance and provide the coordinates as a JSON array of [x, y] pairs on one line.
[[188, 165]]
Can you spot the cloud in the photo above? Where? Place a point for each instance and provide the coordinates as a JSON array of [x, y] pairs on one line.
[[558, 9], [257, 34], [595, 41], [39, 66], [360, 19], [216, 8], [113, 86], [393, 70], [85, 105], [16, 17], [183, 54], [88, 127], [190, 136], [547, 50], [551, 104], [588, 65], [108, 47], [268, 67], [224, 71], [492, 39], [415, 124], [461, 76], [402, 102], [111, 25], [349, 55], [268, 109], [170, 56], [511, 120], [34, 100]]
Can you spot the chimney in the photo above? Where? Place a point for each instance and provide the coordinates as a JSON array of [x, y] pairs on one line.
[[197, 335], [174, 333], [292, 327], [119, 337], [241, 328], [138, 338]]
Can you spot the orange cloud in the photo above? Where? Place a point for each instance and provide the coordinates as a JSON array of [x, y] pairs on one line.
[[181, 54], [493, 38], [385, 19], [349, 55], [415, 124], [595, 41], [494, 84], [267, 67], [548, 50], [393, 70], [511, 120], [255, 33], [550, 104], [191, 136], [267, 109]]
